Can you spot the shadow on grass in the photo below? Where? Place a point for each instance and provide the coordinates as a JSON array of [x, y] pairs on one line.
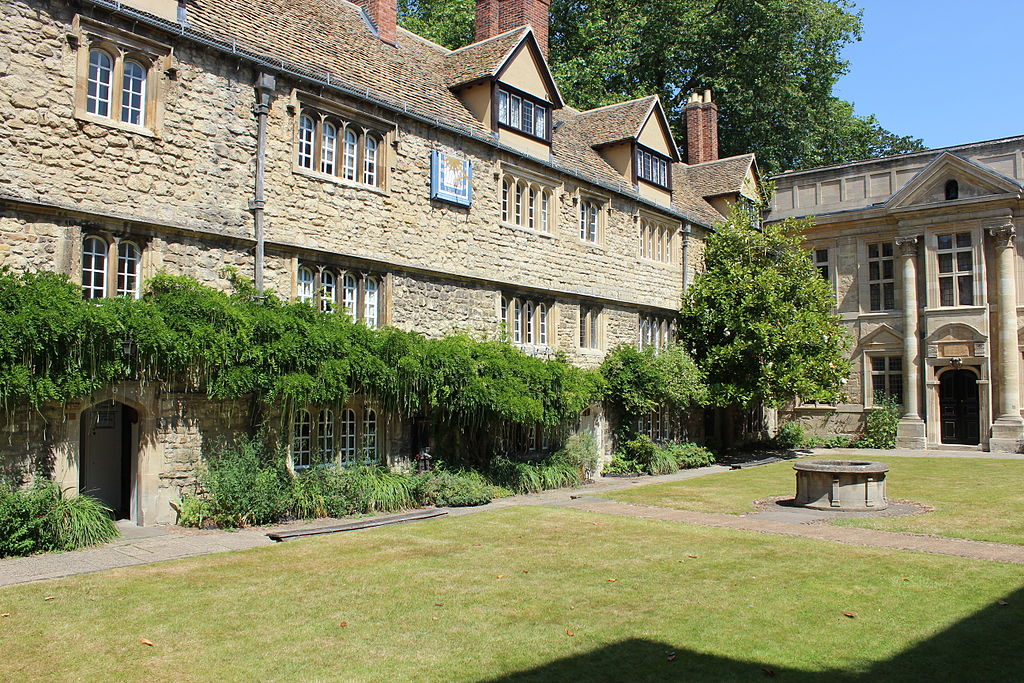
[[986, 646]]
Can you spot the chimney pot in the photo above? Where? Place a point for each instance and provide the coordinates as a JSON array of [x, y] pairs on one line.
[[701, 115]]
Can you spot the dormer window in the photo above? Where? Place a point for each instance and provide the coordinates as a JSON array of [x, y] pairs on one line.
[[524, 114], [652, 167]]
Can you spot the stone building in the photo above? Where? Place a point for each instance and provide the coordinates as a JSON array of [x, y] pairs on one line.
[[338, 159], [922, 250]]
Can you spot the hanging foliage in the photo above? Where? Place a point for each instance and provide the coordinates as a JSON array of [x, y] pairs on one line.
[[55, 347]]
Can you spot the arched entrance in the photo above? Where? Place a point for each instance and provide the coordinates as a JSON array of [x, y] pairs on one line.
[[108, 453], [959, 407]]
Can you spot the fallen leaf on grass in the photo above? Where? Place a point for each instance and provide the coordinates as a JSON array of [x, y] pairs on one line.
[[851, 615], [501, 576], [671, 656], [598, 523], [434, 618], [438, 604], [5, 614], [1002, 603], [146, 642], [768, 672], [50, 597], [569, 633], [343, 624], [612, 580], [692, 556], [526, 571]]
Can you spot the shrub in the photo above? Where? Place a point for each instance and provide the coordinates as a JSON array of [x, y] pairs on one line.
[[452, 489], [621, 465], [45, 518], [881, 423], [580, 450], [838, 441], [791, 434], [323, 492], [193, 511], [553, 472], [689, 455], [378, 489], [246, 484]]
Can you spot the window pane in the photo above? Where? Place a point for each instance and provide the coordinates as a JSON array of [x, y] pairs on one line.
[[540, 121], [502, 107], [528, 117], [945, 242], [583, 328], [305, 284], [895, 364], [876, 297], [504, 199], [307, 129], [100, 75], [966, 286], [514, 112], [964, 261], [872, 251], [94, 268], [889, 296], [347, 435], [963, 239], [878, 364], [821, 255], [370, 437], [528, 320], [519, 203], [896, 387], [325, 436], [542, 324], [945, 263], [350, 293], [874, 271], [301, 440], [328, 148], [887, 249], [328, 291], [946, 291], [532, 214], [370, 161], [877, 384], [133, 93], [544, 224], [128, 259], [887, 269], [517, 323], [351, 154], [371, 308]]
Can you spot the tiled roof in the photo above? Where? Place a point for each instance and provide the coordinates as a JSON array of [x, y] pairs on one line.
[[714, 178], [481, 60], [332, 41]]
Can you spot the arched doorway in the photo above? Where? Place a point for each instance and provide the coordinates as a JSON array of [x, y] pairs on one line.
[[108, 451], [959, 407]]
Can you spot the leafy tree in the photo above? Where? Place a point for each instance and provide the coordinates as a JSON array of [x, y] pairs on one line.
[[759, 320], [772, 65]]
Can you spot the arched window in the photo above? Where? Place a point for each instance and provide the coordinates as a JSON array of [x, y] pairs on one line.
[[370, 436], [301, 440], [351, 155], [347, 433], [370, 161], [532, 214], [504, 311], [328, 148], [545, 222], [519, 203], [350, 293], [101, 70], [645, 332], [328, 290], [325, 436], [133, 93], [542, 324], [528, 316], [305, 282], [952, 190], [94, 268], [505, 190], [371, 308], [307, 132], [128, 259], [517, 323]]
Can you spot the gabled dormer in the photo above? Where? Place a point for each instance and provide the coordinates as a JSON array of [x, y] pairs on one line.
[[635, 139], [506, 83]]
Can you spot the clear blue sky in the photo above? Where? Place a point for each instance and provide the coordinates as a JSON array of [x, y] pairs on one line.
[[948, 72]]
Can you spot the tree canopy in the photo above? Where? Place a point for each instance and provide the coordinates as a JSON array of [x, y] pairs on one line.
[[759, 320], [772, 65]]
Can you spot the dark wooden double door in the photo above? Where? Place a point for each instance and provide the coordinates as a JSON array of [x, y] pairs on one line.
[[959, 407]]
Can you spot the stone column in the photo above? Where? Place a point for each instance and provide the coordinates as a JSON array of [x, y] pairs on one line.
[[911, 431], [1008, 426]]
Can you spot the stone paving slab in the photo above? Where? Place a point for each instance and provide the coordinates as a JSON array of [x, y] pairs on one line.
[[978, 550]]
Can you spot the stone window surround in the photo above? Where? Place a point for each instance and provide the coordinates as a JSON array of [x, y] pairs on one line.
[[866, 281], [86, 35], [507, 305], [113, 242], [362, 408], [931, 243], [659, 329], [301, 102], [516, 174], [603, 204], [339, 272], [647, 221], [590, 324], [867, 383]]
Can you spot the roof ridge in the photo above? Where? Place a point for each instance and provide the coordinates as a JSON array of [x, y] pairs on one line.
[[616, 104], [488, 40], [718, 161]]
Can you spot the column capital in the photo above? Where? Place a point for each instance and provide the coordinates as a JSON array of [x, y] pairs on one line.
[[1003, 236], [908, 244]]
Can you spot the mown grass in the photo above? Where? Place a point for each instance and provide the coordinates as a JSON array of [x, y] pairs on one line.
[[977, 498], [526, 594]]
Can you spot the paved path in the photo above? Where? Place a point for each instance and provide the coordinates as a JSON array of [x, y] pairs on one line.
[[978, 550], [154, 544]]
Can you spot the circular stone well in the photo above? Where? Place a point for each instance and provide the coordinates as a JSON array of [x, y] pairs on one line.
[[841, 485]]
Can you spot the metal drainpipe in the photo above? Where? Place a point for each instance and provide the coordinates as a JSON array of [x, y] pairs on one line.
[[266, 83]]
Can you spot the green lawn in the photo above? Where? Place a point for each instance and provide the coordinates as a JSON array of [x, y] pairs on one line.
[[980, 499], [525, 594]]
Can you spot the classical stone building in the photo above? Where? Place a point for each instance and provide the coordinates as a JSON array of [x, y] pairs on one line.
[[335, 158], [922, 250]]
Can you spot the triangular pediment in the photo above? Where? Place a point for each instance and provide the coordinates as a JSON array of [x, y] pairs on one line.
[[883, 335], [526, 69], [972, 180]]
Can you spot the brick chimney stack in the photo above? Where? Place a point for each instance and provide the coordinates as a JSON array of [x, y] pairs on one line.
[[701, 129], [384, 15], [494, 17]]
